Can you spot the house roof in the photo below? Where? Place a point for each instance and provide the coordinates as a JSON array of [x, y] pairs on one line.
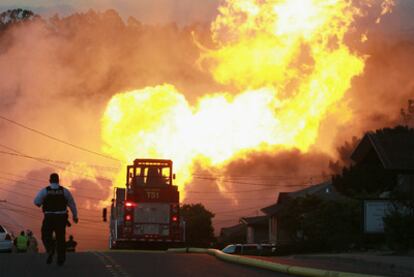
[[324, 190], [256, 220], [232, 230], [311, 190], [272, 209], [394, 148]]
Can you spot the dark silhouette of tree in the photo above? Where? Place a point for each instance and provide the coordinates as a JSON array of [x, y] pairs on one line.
[[315, 224], [199, 229], [399, 222], [344, 155], [364, 180], [14, 16]]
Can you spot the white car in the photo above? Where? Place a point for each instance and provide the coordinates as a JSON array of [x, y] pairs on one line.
[[6, 240]]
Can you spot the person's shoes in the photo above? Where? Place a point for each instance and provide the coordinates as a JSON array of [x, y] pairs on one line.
[[49, 258]]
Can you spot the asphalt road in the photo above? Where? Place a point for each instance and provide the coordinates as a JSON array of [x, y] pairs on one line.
[[124, 264]]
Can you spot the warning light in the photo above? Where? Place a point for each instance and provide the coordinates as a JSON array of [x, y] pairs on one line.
[[174, 218], [130, 204], [128, 217]]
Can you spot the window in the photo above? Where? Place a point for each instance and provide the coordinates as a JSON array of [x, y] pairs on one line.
[[230, 249]]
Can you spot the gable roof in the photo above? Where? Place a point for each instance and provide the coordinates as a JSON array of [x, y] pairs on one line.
[[324, 190], [233, 230], [255, 220], [394, 148]]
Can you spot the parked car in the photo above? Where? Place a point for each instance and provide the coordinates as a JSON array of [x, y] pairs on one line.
[[6, 240], [250, 249]]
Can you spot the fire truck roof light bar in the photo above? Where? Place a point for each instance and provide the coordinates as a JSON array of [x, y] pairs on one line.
[[152, 162]]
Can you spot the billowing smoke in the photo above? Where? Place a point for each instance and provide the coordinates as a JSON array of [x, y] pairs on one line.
[[57, 75], [246, 185]]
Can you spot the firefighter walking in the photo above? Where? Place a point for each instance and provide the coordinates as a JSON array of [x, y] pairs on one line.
[[54, 200]]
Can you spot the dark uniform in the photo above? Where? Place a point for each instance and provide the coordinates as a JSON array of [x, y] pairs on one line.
[[54, 200]]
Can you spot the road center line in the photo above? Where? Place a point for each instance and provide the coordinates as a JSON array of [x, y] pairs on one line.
[[111, 265]]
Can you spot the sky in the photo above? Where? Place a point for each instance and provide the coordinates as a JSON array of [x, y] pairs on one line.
[[148, 11], [180, 11]]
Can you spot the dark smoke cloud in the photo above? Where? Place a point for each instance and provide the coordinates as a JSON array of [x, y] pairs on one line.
[[257, 178], [378, 95]]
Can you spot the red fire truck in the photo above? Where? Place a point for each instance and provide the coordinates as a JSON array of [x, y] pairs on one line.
[[146, 212]]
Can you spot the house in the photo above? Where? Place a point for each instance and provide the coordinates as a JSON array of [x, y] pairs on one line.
[[390, 151], [257, 229], [277, 234], [233, 234]]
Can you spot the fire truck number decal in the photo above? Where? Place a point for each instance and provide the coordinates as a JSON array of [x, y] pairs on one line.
[[153, 195]]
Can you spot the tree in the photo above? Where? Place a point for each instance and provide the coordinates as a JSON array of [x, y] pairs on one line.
[[399, 222], [364, 180], [315, 224], [198, 226], [16, 15]]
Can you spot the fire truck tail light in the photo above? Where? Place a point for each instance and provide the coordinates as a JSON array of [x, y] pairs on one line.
[[174, 218], [128, 217]]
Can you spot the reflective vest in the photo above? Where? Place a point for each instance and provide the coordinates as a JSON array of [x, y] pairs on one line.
[[22, 242], [55, 200]]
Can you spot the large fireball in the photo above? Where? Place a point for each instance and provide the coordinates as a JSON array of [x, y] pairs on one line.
[[290, 64]]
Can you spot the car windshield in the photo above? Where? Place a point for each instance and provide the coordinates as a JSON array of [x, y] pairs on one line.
[[229, 249]]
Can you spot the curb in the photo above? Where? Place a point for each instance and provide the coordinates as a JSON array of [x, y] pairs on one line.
[[359, 260], [294, 270]]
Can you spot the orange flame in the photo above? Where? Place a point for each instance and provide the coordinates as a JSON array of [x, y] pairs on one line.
[[290, 63]]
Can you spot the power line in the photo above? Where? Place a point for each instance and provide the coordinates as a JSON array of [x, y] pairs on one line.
[[26, 214], [32, 185], [221, 200], [107, 168], [203, 178], [241, 191], [29, 196], [23, 177], [284, 177], [248, 183], [58, 139], [196, 176], [30, 212], [57, 166], [40, 161], [238, 210]]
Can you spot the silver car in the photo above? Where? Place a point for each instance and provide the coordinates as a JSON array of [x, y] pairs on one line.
[[250, 249], [6, 240]]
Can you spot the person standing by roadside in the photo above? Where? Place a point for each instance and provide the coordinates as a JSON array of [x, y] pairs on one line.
[[71, 244], [21, 243], [33, 246], [54, 200]]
